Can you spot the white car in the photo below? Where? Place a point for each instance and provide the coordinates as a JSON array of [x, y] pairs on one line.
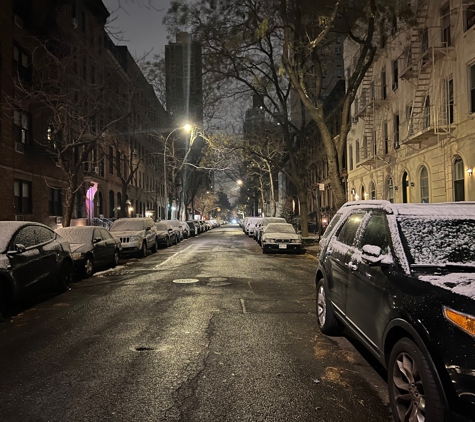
[[265, 221], [179, 226], [280, 237], [137, 235], [251, 225]]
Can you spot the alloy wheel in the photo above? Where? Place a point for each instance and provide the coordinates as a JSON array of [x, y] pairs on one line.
[[321, 306]]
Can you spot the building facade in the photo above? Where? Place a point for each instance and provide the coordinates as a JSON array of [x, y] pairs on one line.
[[74, 106], [413, 126]]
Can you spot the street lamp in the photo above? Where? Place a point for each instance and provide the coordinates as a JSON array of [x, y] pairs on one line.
[[186, 128]]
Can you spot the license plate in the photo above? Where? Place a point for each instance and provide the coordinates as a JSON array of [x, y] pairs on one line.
[[283, 246]]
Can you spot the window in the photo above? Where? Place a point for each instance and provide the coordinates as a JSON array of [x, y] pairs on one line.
[[469, 17], [101, 164], [396, 131], [424, 182], [425, 41], [445, 25], [350, 156], [376, 233], [472, 88], [395, 74], [357, 151], [22, 197], [372, 191], [426, 115], [26, 237], [383, 85], [349, 229], [111, 160], [449, 100], [459, 186], [22, 65], [386, 137], [410, 120], [390, 188], [43, 235], [55, 202], [21, 127], [111, 203]]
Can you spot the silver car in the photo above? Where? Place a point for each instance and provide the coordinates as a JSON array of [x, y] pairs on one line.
[[137, 235]]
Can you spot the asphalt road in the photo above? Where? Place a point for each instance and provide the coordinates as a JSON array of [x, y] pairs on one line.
[[208, 330]]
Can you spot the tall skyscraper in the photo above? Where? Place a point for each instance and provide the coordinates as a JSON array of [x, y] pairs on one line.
[[184, 90]]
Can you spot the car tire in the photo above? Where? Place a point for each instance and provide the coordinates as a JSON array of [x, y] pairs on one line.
[[115, 262], [65, 276], [411, 382], [88, 269], [143, 252], [155, 246], [326, 320], [176, 240]]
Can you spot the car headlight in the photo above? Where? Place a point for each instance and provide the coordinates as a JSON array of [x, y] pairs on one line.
[[295, 241], [270, 240], [135, 239], [77, 255], [464, 321]]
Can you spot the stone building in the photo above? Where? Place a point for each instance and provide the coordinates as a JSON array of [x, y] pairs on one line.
[[413, 126]]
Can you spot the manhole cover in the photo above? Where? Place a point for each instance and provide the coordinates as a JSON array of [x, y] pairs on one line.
[[186, 280]]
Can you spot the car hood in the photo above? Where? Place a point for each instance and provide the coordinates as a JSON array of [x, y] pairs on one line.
[[459, 283], [127, 233]]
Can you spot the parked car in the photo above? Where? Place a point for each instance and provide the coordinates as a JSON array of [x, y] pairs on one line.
[[280, 237], [137, 235], [179, 226], [91, 248], [251, 225], [263, 223], [194, 227], [167, 235], [32, 257], [401, 278]]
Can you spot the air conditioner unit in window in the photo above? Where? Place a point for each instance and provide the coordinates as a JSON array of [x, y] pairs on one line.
[[95, 170], [74, 22], [18, 22]]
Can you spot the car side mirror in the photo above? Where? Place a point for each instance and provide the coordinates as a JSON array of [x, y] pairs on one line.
[[372, 255], [19, 248]]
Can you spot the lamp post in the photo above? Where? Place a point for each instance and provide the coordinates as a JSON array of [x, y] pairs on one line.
[[187, 128]]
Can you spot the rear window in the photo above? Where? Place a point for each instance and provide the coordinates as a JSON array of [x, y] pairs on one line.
[[432, 241]]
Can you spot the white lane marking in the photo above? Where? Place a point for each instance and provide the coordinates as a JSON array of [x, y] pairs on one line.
[[172, 257]]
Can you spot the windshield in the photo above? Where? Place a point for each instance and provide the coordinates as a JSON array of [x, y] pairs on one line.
[[438, 241], [279, 228], [76, 235], [127, 225], [161, 226]]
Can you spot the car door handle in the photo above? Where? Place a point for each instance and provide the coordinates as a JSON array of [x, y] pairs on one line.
[[352, 266]]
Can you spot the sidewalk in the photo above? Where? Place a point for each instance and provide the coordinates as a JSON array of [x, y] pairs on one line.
[[311, 246]]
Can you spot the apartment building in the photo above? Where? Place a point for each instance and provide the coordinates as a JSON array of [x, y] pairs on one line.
[[74, 106], [413, 127]]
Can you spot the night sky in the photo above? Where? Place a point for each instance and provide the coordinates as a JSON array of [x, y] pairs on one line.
[[143, 31]]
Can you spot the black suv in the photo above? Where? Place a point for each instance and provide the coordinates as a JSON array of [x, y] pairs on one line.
[[401, 278]]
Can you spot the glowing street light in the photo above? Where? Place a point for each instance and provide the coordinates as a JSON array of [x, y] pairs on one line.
[[187, 128]]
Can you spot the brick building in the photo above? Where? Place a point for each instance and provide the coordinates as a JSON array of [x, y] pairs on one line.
[[77, 115]]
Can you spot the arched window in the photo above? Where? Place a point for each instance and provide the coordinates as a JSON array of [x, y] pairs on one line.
[[459, 185], [111, 204], [424, 182], [363, 197], [390, 188], [372, 191], [405, 188], [119, 204]]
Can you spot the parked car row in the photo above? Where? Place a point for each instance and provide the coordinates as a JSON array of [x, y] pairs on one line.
[[273, 234], [34, 257]]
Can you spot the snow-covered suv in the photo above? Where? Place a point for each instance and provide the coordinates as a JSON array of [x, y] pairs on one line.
[[401, 278], [137, 235]]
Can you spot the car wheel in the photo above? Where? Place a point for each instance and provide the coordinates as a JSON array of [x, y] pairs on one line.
[[168, 242], [176, 240], [65, 276], [326, 320], [143, 252], [88, 269], [413, 391], [155, 246], [115, 262]]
